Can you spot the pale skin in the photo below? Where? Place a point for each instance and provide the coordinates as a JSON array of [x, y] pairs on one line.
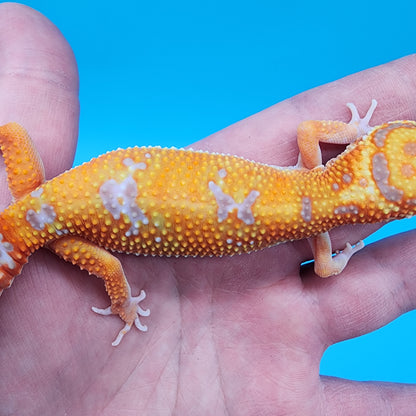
[[235, 336]]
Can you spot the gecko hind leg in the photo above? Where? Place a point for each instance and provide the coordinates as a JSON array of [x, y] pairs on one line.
[[103, 264]]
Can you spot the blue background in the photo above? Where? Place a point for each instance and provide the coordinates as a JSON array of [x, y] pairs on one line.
[[172, 72]]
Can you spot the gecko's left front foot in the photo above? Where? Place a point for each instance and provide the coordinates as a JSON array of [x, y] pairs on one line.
[[129, 312], [327, 264], [342, 257]]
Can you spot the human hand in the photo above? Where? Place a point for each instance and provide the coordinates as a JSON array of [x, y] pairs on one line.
[[240, 335]]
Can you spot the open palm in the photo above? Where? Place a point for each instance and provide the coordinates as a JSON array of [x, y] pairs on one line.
[[238, 336]]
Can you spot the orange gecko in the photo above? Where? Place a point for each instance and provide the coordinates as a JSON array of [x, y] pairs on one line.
[[169, 202]]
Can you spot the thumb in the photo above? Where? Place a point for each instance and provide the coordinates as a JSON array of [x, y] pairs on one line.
[[38, 86]]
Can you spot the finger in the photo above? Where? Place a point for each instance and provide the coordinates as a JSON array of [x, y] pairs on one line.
[[362, 398], [378, 286], [270, 135], [38, 85]]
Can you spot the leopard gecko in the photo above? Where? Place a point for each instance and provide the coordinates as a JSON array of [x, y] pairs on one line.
[[177, 202]]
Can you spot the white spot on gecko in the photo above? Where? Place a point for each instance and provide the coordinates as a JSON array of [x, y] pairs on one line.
[[147, 155], [37, 193], [306, 212], [5, 258], [346, 178], [158, 239], [229, 240], [134, 166], [346, 209], [62, 232], [226, 204], [222, 173], [335, 186], [381, 175], [120, 198], [38, 220], [363, 182]]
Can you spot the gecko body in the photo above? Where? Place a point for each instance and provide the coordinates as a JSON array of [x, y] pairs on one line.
[[173, 202]]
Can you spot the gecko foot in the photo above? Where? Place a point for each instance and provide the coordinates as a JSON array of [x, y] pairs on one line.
[[341, 258], [130, 312], [362, 124]]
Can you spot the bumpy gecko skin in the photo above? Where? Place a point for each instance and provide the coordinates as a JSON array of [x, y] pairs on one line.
[[169, 202]]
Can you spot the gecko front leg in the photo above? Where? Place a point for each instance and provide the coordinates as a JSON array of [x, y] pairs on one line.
[[310, 133]]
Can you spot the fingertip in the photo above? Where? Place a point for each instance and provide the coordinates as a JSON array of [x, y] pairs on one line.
[[39, 83]]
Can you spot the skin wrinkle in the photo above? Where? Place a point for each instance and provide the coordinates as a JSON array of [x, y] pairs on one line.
[[402, 295], [162, 371], [220, 375], [174, 277], [60, 75], [343, 391], [313, 296], [216, 342], [187, 350], [56, 78]]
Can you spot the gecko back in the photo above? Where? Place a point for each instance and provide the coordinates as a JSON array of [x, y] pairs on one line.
[[172, 202]]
